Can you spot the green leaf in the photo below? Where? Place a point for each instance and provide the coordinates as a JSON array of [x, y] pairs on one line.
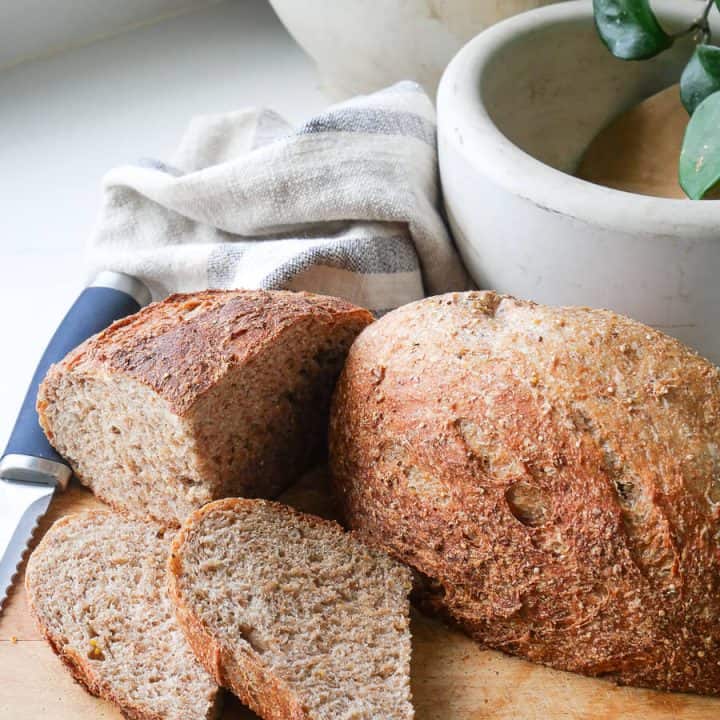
[[699, 170], [630, 29], [701, 76]]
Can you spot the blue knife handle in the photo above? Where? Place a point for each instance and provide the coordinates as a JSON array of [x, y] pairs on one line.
[[96, 308]]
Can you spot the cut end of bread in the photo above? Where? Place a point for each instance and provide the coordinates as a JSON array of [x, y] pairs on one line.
[[296, 617], [198, 397], [96, 586]]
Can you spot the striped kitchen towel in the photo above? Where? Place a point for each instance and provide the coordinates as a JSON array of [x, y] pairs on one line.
[[348, 205]]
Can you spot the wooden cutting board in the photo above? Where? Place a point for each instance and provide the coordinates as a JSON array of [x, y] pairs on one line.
[[452, 678]]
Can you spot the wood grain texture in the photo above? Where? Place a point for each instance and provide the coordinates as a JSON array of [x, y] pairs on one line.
[[453, 679]]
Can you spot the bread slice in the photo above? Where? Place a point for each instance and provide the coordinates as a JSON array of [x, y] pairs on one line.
[[201, 396], [96, 586], [299, 619]]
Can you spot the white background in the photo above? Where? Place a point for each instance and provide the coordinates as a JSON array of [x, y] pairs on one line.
[[68, 118], [31, 28]]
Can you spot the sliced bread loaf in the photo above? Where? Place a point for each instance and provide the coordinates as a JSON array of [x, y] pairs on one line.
[[201, 396], [299, 619], [96, 585]]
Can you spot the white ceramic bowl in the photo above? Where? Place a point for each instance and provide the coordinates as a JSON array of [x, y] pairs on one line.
[[364, 45], [516, 108]]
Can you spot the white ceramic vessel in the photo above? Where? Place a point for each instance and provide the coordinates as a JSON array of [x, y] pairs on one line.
[[516, 108], [364, 45]]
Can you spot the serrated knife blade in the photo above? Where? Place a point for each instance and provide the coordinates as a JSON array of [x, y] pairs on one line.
[[22, 504]]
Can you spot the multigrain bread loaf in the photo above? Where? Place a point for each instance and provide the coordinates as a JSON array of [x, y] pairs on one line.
[[554, 473], [200, 396], [96, 585], [299, 619]]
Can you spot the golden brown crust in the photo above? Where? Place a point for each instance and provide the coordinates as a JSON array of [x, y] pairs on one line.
[[181, 347], [204, 395], [553, 472], [247, 677]]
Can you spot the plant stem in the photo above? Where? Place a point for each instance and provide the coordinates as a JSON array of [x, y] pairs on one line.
[[701, 24]]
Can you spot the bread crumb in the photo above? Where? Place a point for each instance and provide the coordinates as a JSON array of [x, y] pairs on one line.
[[13, 640]]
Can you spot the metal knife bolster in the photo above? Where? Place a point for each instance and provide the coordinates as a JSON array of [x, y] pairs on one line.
[[30, 469]]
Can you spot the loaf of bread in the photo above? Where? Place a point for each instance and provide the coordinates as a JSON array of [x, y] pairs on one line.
[[200, 396], [553, 474], [96, 585], [299, 619]]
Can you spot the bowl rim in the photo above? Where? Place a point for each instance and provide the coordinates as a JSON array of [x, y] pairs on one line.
[[464, 122]]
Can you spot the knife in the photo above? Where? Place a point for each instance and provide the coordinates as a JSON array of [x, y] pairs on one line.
[[30, 470]]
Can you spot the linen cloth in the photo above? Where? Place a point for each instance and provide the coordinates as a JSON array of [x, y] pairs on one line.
[[348, 205]]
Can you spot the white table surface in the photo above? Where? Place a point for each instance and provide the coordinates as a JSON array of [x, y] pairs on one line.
[[67, 119]]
